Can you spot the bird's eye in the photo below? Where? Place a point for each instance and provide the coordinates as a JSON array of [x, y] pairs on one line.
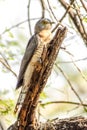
[[44, 22]]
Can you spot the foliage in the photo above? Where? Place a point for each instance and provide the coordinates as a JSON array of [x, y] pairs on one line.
[[6, 106]]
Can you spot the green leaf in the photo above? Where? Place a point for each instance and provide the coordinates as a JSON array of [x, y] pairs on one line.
[[10, 34], [6, 106], [2, 45], [43, 95], [13, 43], [54, 7], [85, 19]]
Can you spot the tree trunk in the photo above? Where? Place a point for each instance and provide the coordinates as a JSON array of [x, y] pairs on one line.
[[27, 117]]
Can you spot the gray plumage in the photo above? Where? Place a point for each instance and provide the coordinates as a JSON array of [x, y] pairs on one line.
[[42, 24], [32, 54], [30, 49]]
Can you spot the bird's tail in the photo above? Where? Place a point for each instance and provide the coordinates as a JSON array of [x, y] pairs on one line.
[[20, 99]]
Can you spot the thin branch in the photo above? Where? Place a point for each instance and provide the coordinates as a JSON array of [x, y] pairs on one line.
[[72, 88], [75, 20], [7, 66], [83, 76], [63, 102], [63, 16], [50, 14], [80, 18], [43, 8], [4, 58], [84, 6], [52, 10], [69, 53], [28, 7], [82, 59], [16, 25]]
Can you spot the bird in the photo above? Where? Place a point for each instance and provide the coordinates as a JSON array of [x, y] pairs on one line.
[[34, 49]]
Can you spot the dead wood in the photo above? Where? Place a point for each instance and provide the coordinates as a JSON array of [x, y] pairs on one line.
[[26, 118], [76, 18], [75, 123]]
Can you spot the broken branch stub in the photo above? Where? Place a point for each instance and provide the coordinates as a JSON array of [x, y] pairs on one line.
[[26, 117], [42, 76]]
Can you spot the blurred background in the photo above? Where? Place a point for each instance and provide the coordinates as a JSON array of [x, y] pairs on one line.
[[67, 83]]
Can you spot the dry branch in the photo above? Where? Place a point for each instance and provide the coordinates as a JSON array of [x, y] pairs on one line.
[[43, 8], [6, 65], [51, 10], [73, 14], [28, 10], [26, 118], [17, 25], [75, 123], [64, 15], [39, 79], [71, 86], [84, 5]]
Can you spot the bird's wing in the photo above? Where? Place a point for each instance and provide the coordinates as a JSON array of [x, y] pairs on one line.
[[30, 49]]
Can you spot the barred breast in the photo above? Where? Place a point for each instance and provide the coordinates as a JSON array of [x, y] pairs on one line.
[[31, 65], [28, 74]]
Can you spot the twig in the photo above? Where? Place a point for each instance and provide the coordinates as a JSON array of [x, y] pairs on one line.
[[69, 53], [72, 88], [83, 59], [83, 76], [4, 58], [63, 16], [63, 102], [28, 7], [7, 66], [46, 8], [75, 20], [16, 25], [80, 19], [43, 8], [84, 6], [52, 10]]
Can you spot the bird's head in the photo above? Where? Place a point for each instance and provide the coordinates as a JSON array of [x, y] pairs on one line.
[[43, 24]]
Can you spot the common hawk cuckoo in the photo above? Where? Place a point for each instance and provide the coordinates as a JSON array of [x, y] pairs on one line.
[[32, 54]]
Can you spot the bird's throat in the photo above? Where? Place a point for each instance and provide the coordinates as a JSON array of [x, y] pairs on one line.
[[46, 36]]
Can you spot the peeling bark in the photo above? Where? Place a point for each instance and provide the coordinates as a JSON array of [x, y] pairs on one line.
[[26, 117], [76, 20], [75, 123]]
